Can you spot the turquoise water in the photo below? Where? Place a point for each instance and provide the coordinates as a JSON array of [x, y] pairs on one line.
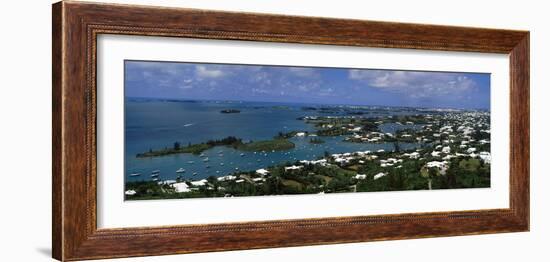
[[155, 124]]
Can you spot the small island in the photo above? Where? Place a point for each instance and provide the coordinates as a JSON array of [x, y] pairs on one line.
[[230, 111], [275, 144]]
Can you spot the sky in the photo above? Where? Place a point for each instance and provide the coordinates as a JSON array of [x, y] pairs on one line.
[[310, 85]]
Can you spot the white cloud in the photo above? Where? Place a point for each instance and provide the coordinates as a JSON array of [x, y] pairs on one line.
[[208, 72], [415, 84]]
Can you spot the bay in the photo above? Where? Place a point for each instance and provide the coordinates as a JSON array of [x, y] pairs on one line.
[[158, 123]]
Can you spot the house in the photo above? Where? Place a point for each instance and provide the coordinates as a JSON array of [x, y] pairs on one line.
[[413, 155], [446, 150], [485, 156], [379, 175], [471, 150], [181, 187], [293, 167], [441, 166], [227, 178], [360, 176], [130, 192], [199, 182], [262, 172], [322, 162]]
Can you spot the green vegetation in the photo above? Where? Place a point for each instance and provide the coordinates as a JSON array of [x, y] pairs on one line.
[[191, 149], [266, 145], [332, 178], [471, 164]]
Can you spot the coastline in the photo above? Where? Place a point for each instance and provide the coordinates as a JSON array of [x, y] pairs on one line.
[[452, 151]]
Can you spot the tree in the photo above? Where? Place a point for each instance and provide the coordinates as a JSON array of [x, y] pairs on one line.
[[432, 173], [177, 145]]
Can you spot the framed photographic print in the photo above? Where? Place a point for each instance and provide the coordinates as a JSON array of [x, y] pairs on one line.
[[182, 130]]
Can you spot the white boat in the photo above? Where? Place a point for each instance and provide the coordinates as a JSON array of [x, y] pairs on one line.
[[206, 160], [221, 164], [194, 174], [242, 154], [135, 174], [154, 175], [190, 162], [181, 170], [155, 179], [155, 171]]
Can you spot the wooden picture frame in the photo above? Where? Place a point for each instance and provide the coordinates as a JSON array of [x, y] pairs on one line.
[[76, 26]]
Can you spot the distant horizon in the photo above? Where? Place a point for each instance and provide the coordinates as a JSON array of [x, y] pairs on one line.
[[307, 85], [182, 99]]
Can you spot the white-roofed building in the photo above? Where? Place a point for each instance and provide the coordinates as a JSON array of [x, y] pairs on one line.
[[262, 172], [379, 175], [181, 187]]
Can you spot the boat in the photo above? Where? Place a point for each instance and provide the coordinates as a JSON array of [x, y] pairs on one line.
[[194, 174], [202, 155], [181, 170], [221, 164], [155, 179], [242, 154], [135, 174], [207, 166], [190, 162], [154, 175], [206, 160], [156, 171]]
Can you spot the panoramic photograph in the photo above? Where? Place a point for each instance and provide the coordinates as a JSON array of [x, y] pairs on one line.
[[203, 130]]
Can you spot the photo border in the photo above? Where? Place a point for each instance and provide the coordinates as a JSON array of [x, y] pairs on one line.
[[75, 27]]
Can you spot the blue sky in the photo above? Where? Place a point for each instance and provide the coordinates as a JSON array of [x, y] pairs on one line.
[[306, 85]]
